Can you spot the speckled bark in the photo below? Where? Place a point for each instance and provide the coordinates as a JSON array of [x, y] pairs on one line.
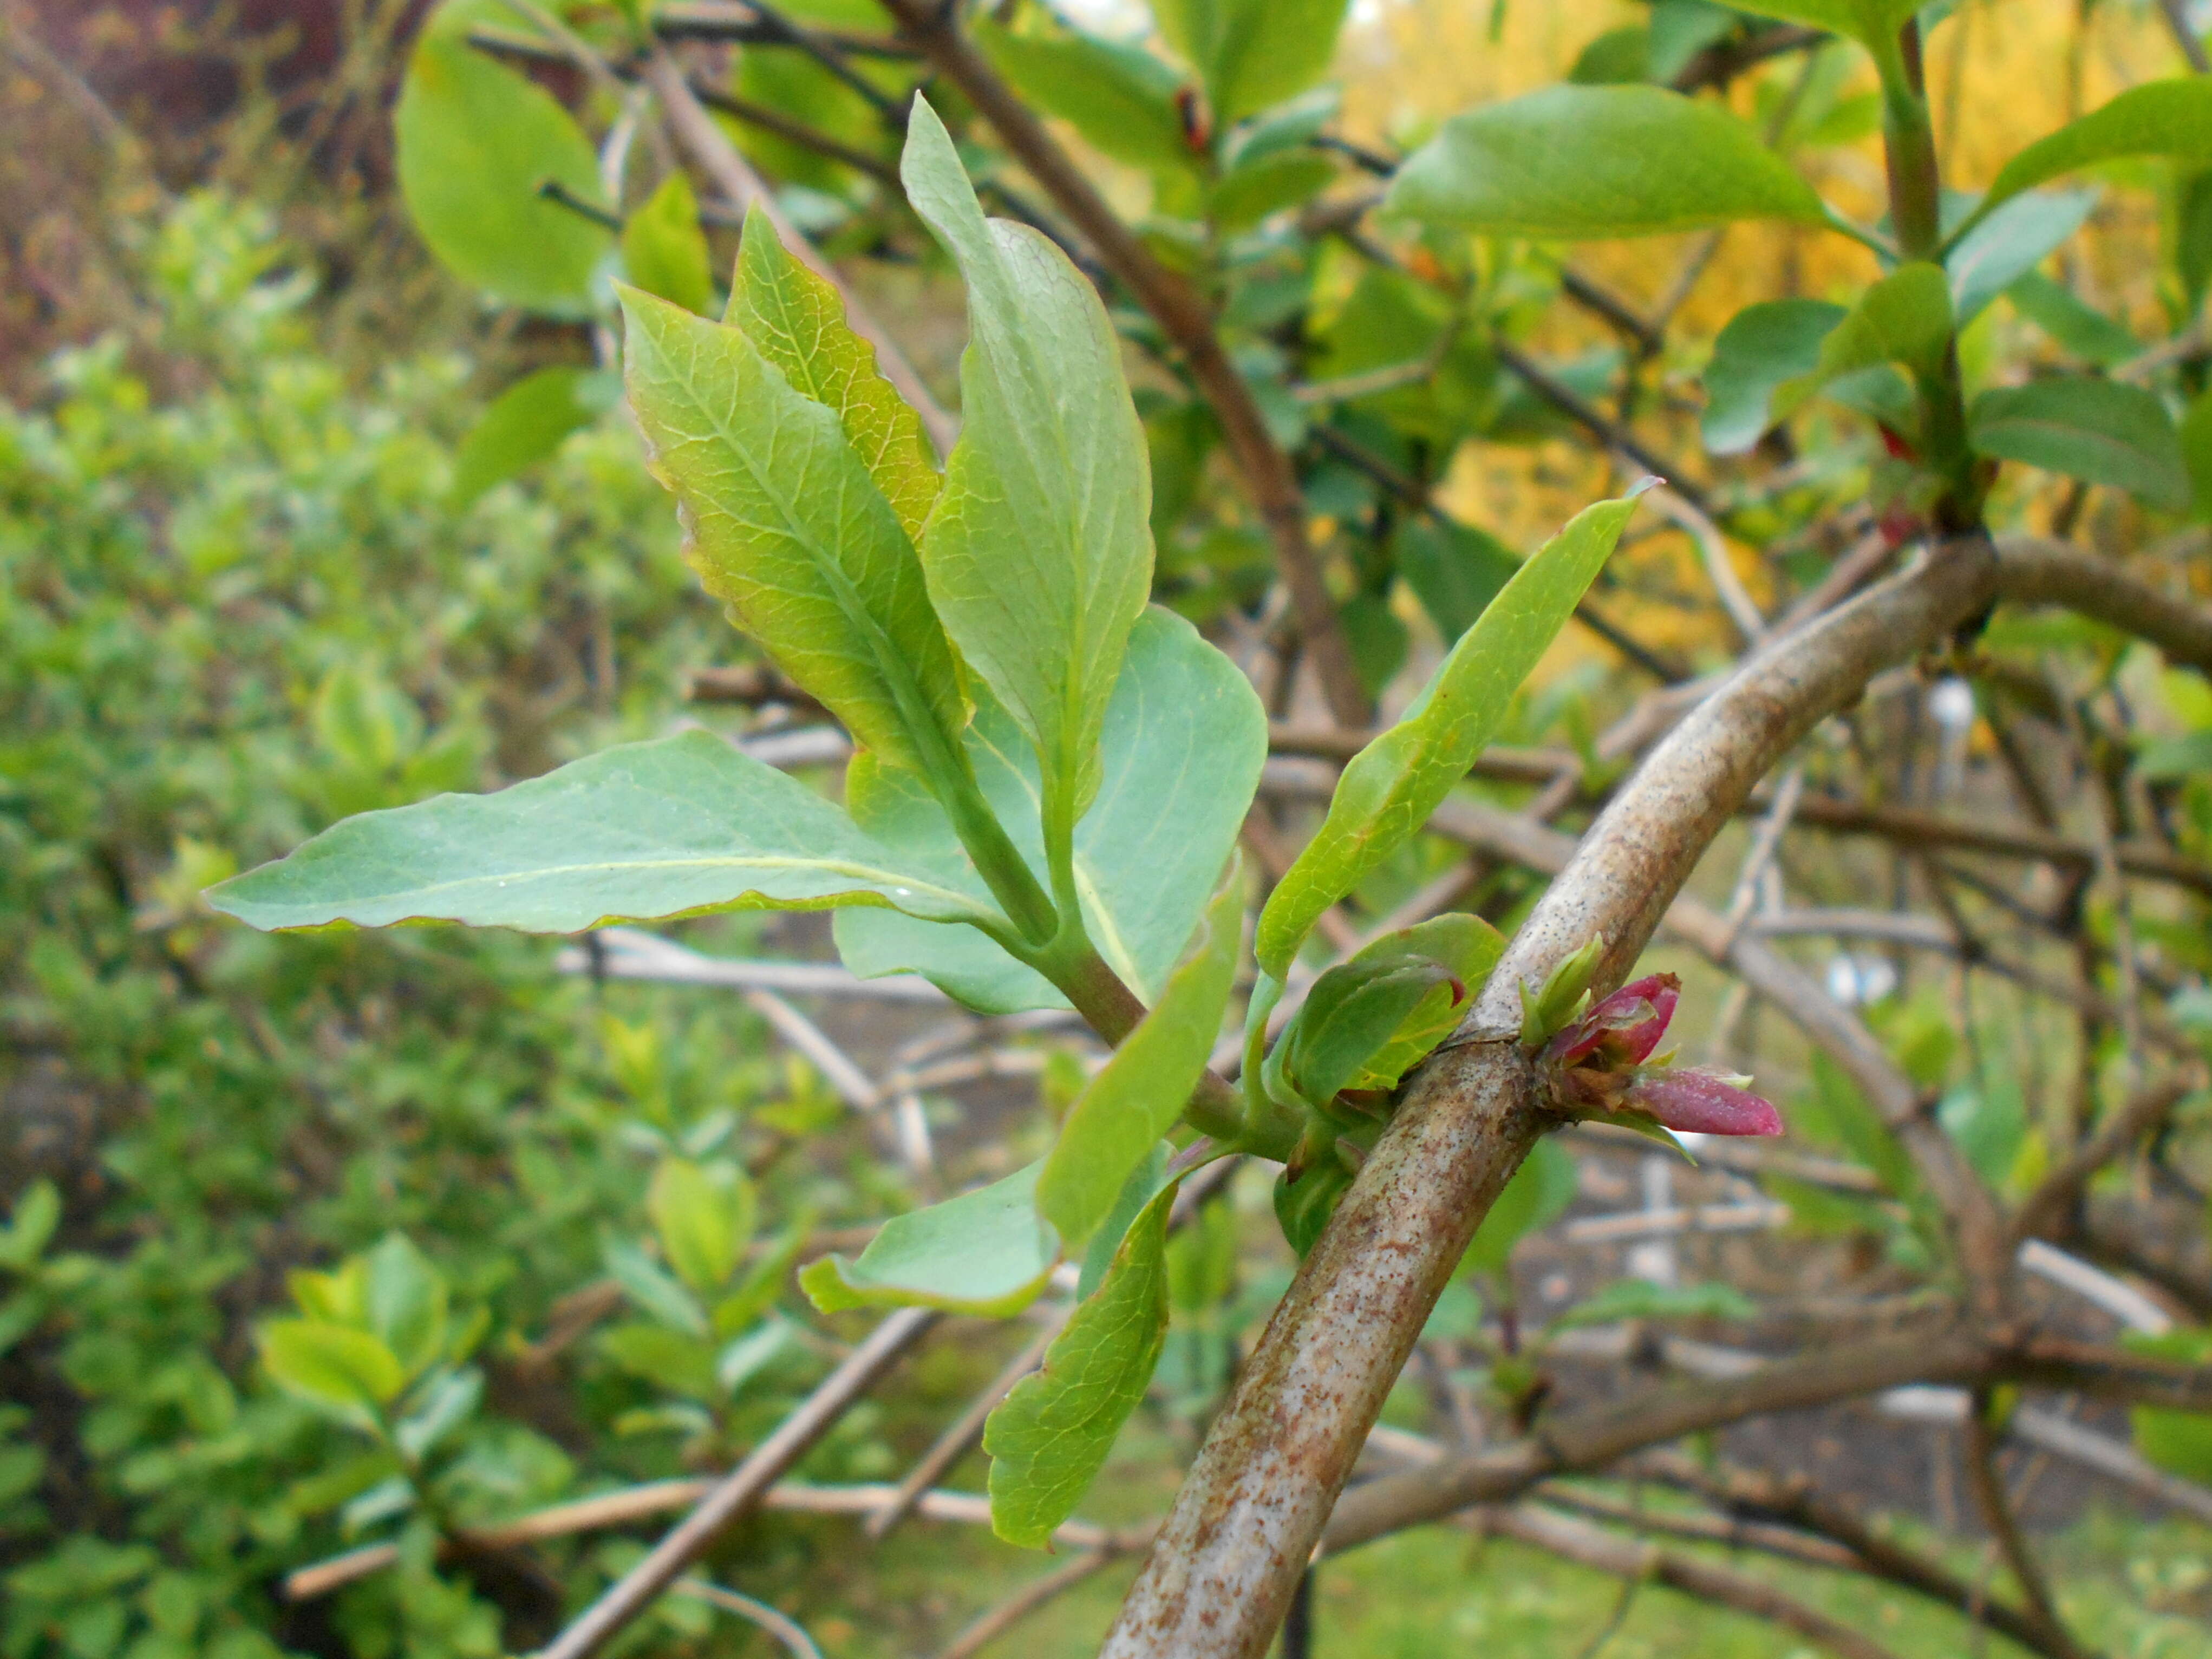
[[1223, 1569]]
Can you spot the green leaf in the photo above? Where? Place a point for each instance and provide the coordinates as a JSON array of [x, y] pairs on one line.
[[683, 826], [475, 140], [1764, 347], [1120, 97], [1252, 53], [675, 1360], [1905, 318], [330, 1365], [1264, 187], [525, 424], [1870, 22], [2008, 244], [1139, 1095], [403, 1297], [1049, 1437], [1390, 787], [2179, 1443], [1537, 1195], [2104, 432], [1570, 161], [1182, 745], [2079, 328], [2162, 760], [1351, 1012], [1144, 1182], [1639, 1298], [986, 1252], [785, 523], [704, 1218], [665, 250], [1454, 570], [31, 1224], [1468, 948], [1039, 555], [795, 319], [2163, 118], [2196, 451], [451, 1400], [652, 1291]]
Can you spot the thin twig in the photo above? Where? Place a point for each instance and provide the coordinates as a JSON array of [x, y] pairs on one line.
[[1990, 1498], [743, 1489], [781, 1626], [1029, 1598]]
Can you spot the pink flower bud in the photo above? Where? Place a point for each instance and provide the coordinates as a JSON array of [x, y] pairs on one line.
[[1627, 1024], [1699, 1101]]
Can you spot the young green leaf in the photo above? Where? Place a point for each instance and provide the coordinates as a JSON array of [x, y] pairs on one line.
[[2163, 118], [987, 1252], [785, 523], [1252, 53], [475, 140], [795, 319], [1139, 1094], [704, 1218], [1119, 96], [1350, 1014], [1905, 318], [1468, 948], [1540, 1191], [1571, 162], [1764, 346], [404, 1299], [330, 1365], [664, 250], [526, 423], [1181, 747], [682, 826], [1049, 1437], [1390, 787], [1039, 554], [2104, 432]]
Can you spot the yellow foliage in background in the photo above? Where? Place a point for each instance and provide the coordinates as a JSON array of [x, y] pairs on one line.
[[2000, 74]]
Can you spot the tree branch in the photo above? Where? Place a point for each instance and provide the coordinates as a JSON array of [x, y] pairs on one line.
[[1182, 315], [1216, 1584], [1995, 1508], [1590, 1545], [2037, 570]]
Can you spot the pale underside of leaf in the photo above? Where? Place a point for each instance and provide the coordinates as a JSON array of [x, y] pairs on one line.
[[648, 831], [986, 1252], [1181, 745]]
